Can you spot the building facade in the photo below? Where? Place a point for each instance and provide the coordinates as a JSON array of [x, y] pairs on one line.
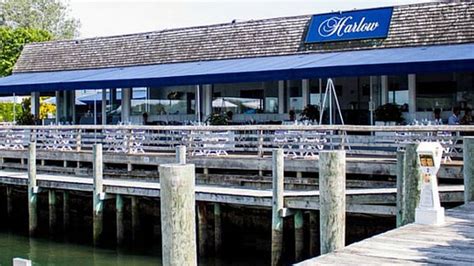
[[420, 57]]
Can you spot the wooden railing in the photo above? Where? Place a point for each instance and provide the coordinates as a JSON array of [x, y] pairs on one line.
[[298, 141]]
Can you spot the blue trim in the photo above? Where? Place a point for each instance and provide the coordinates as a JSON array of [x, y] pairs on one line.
[[450, 58]]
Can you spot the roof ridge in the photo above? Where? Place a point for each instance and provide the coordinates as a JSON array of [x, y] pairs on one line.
[[234, 22], [174, 29]]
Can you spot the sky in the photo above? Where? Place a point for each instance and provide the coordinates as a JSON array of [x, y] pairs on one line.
[[109, 17]]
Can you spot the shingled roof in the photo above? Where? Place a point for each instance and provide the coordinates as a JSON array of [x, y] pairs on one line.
[[412, 25]]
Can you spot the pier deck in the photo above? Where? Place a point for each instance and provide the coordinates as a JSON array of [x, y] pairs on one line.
[[367, 200], [451, 243]]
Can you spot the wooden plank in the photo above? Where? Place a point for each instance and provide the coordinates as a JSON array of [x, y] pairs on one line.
[[450, 243]]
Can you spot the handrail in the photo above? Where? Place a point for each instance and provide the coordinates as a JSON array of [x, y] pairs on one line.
[[347, 128]]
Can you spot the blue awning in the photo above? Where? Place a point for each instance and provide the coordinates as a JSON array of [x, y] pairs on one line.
[[443, 58]]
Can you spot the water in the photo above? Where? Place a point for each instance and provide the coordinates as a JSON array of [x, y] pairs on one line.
[[45, 251], [52, 252]]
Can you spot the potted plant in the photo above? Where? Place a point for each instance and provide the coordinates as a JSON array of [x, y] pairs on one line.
[[217, 119], [310, 112], [389, 113]]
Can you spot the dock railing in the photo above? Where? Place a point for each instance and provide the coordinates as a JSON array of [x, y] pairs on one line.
[[297, 141]]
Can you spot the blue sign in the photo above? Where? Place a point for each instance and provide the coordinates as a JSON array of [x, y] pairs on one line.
[[351, 25]]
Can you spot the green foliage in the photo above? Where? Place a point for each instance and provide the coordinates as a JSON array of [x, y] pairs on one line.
[[25, 117], [12, 42], [310, 112], [389, 112], [6, 112], [47, 15], [217, 119]]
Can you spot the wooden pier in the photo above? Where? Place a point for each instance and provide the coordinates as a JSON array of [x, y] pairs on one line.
[[117, 164], [450, 244], [366, 200]]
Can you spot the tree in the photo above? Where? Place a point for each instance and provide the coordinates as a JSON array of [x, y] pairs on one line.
[[49, 15], [12, 42]]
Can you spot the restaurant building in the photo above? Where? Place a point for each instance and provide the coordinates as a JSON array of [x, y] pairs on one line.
[[420, 57]]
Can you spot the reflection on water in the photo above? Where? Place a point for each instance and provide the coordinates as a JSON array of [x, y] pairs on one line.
[[43, 251], [49, 252]]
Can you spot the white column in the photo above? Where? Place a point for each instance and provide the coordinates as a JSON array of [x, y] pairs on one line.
[[207, 100], [104, 105], [305, 92], [384, 89], [35, 104], [371, 99], [412, 95], [281, 96], [58, 106], [126, 103], [288, 93], [72, 101]]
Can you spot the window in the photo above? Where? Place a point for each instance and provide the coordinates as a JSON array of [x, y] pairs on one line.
[[168, 100], [398, 91], [246, 98]]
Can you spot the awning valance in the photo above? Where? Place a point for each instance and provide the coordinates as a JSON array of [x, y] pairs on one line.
[[443, 58]]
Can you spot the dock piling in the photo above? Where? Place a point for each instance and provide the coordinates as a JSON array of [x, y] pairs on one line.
[[277, 205], [178, 214], [65, 210], [181, 154], [217, 228], [32, 190], [411, 184], [400, 186], [202, 228], [119, 218], [9, 202], [313, 233], [52, 210], [299, 235], [468, 158], [98, 194], [332, 190], [135, 218]]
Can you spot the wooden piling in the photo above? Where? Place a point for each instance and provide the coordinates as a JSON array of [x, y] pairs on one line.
[[32, 190], [52, 210], [65, 210], [217, 228], [119, 218], [313, 233], [411, 189], [9, 202], [178, 214], [277, 205], [299, 235], [98, 204], [135, 218], [181, 154], [202, 229], [400, 186], [468, 158], [332, 190]]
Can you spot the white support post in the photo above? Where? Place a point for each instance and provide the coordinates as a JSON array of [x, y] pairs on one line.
[[35, 104], [58, 106], [126, 103], [72, 100], [207, 100], [305, 92], [104, 106], [412, 95], [281, 96], [384, 89]]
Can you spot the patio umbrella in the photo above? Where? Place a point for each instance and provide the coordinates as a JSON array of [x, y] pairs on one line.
[[222, 103], [52, 100]]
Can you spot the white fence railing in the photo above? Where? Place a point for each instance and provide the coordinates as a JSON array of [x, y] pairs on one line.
[[298, 141]]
